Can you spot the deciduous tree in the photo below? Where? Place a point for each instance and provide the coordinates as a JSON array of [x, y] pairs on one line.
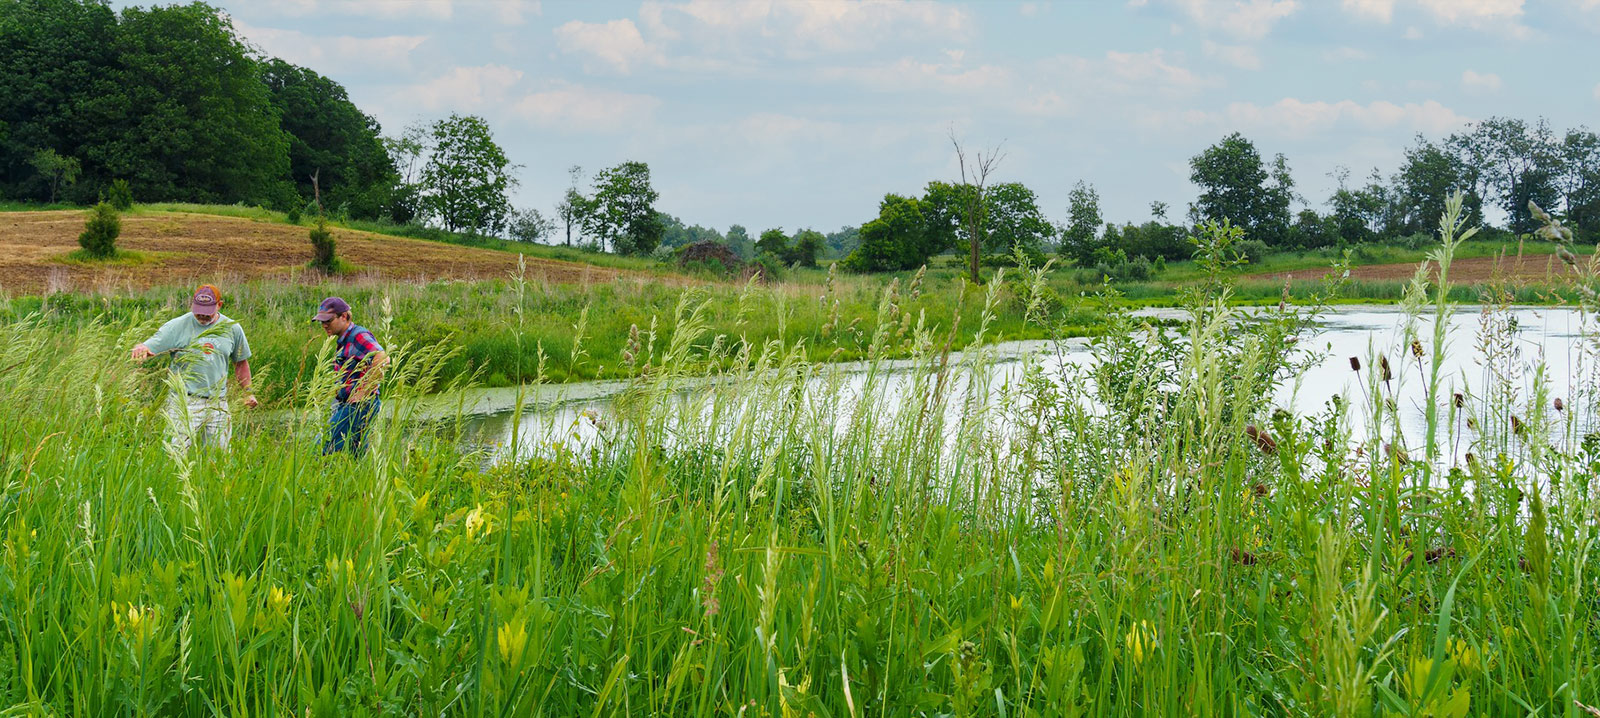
[[467, 177], [1236, 184], [622, 211]]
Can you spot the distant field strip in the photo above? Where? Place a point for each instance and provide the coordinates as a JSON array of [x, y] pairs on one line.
[[212, 248]]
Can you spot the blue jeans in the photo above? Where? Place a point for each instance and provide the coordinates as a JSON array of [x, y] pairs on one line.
[[347, 427]]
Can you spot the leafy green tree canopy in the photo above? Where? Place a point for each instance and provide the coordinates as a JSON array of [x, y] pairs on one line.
[[467, 177], [1237, 185], [622, 211]]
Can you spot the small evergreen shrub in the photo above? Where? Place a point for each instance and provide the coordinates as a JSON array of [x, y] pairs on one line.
[[121, 195], [99, 238], [322, 248], [293, 215]]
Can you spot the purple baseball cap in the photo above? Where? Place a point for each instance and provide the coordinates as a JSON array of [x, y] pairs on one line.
[[330, 308], [205, 299]]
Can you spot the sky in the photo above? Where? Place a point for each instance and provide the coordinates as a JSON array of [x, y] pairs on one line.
[[804, 114]]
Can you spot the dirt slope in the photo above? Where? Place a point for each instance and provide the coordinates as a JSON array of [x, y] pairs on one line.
[[193, 247]]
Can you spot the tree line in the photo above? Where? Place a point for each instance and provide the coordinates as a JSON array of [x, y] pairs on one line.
[[175, 104], [1500, 162]]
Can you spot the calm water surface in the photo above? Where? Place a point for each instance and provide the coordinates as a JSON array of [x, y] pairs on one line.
[[569, 414]]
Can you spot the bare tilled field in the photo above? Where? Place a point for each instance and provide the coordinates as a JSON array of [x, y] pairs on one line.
[[187, 248], [1534, 268]]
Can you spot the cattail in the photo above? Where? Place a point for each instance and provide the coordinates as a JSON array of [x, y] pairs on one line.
[[1262, 439], [1459, 400], [1383, 368], [1355, 364], [1416, 348], [1560, 406]]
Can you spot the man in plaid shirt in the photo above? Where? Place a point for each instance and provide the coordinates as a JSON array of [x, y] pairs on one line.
[[360, 361]]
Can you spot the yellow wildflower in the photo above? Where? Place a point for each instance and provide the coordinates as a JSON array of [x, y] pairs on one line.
[[478, 523], [513, 641], [1140, 640]]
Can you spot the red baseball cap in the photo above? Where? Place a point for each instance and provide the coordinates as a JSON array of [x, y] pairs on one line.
[[205, 300]]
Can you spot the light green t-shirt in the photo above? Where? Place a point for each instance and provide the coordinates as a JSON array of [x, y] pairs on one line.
[[204, 353]]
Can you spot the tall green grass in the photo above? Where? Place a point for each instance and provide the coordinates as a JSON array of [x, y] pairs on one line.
[[480, 320], [1146, 535]]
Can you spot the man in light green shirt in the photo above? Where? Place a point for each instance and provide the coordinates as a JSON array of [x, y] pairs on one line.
[[205, 344]]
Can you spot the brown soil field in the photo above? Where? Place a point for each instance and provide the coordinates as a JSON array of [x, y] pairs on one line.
[[192, 248], [1522, 270]]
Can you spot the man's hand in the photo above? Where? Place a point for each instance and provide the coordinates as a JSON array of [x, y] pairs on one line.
[[141, 353], [250, 401]]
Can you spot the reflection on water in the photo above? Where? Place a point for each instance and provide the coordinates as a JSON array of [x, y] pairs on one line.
[[1483, 351]]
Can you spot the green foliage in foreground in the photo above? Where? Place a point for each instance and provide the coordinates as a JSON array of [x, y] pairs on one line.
[[932, 542]]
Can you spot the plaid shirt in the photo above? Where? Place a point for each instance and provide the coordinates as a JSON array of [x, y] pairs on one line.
[[354, 346]]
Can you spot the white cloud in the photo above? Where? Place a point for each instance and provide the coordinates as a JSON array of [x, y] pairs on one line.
[[910, 75], [516, 12], [581, 109], [805, 28], [1380, 10], [464, 89], [1597, 92], [1412, 33], [1297, 118], [616, 44], [1240, 56], [1063, 85], [1245, 18], [1473, 12], [1345, 54], [432, 9], [1486, 82], [770, 128], [1030, 9], [331, 55]]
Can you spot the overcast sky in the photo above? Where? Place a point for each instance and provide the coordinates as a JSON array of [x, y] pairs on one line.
[[803, 114]]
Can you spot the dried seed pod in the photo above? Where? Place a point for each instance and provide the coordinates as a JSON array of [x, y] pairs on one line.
[[1355, 363], [1459, 400], [1472, 460], [1560, 406], [1262, 440], [1259, 489], [1383, 368], [1416, 348], [1517, 426], [1243, 557], [1472, 423]]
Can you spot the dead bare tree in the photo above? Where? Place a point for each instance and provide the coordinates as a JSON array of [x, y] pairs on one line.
[[974, 183]]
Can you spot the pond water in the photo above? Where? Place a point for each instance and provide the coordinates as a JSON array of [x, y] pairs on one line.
[[571, 414]]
